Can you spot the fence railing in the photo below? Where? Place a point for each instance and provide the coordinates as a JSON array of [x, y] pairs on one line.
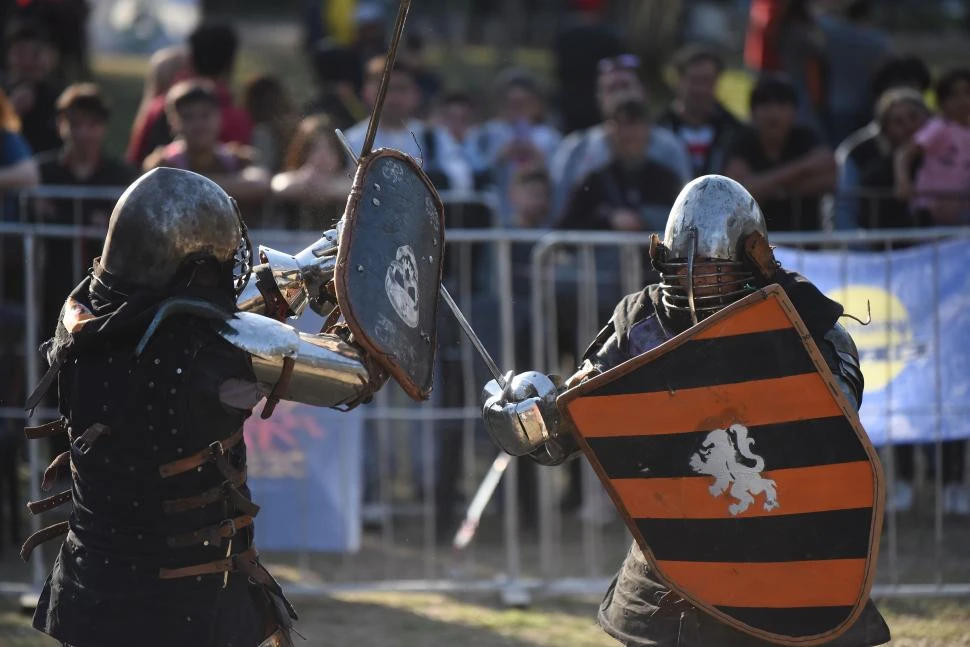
[[537, 298]]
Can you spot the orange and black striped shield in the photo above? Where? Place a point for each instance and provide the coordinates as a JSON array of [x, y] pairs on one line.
[[742, 471]]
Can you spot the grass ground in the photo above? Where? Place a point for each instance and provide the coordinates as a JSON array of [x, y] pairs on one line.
[[432, 620]]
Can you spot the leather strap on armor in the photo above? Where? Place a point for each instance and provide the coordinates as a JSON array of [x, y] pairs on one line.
[[281, 387], [211, 534], [41, 536], [226, 565], [212, 452], [276, 305], [46, 431], [225, 492], [45, 383], [50, 474], [51, 502]]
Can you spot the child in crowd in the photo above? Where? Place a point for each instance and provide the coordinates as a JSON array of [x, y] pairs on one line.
[[940, 190]]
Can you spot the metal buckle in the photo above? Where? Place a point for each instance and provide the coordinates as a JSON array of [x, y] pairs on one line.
[[82, 446], [216, 449], [232, 527]]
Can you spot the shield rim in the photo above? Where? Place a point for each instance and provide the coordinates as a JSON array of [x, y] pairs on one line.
[[340, 276], [875, 528]]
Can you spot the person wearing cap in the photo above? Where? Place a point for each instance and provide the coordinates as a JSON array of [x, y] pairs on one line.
[[584, 151]]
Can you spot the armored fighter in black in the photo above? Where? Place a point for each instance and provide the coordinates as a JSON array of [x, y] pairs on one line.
[[159, 357]]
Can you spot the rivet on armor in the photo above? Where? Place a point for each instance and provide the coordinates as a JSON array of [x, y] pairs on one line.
[[114, 530], [104, 407], [154, 448], [171, 412], [134, 504], [174, 431], [178, 451], [105, 561], [360, 268], [106, 384], [106, 462], [198, 469], [377, 187], [157, 361], [134, 568], [151, 385], [131, 468], [188, 618], [149, 407], [376, 202], [151, 427], [172, 391], [111, 359], [205, 542], [198, 578], [178, 371], [109, 496], [139, 537]]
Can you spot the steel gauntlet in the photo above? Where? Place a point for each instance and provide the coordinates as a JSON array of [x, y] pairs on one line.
[[283, 284], [524, 420]]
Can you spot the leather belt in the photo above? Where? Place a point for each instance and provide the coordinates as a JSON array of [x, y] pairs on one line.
[[41, 536], [227, 491], [228, 564], [46, 431], [209, 454], [211, 534], [51, 502]]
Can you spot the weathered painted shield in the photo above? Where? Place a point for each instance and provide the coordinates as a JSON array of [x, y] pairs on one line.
[[389, 265], [742, 471]]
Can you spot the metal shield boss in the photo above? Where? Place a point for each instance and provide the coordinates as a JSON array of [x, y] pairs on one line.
[[742, 471], [389, 266]]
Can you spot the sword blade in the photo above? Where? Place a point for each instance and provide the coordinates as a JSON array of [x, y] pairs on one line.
[[402, 14], [472, 337], [484, 494]]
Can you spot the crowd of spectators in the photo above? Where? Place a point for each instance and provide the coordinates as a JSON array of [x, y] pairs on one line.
[[834, 109]]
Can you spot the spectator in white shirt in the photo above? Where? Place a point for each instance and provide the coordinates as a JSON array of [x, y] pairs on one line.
[[518, 137], [399, 129]]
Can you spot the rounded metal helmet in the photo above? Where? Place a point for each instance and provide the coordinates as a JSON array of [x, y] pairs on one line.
[[700, 259], [167, 217]]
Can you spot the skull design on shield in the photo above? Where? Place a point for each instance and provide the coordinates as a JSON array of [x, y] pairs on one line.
[[401, 285]]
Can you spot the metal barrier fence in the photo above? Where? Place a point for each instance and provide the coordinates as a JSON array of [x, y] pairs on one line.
[[537, 298]]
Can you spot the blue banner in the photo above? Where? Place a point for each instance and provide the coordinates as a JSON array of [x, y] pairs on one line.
[[916, 351], [305, 473]]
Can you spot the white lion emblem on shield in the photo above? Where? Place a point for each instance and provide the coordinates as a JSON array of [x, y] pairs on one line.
[[726, 455]]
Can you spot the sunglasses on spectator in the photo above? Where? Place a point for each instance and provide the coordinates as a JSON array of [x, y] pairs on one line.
[[622, 62]]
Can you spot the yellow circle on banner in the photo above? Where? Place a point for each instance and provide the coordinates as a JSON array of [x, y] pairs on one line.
[[883, 342]]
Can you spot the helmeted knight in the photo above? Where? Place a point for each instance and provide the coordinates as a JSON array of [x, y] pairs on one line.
[[160, 355], [714, 252]]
